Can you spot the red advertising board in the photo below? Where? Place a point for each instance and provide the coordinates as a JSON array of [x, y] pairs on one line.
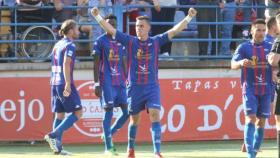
[[193, 109]]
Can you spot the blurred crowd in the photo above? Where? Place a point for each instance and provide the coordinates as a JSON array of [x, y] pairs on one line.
[[228, 11]]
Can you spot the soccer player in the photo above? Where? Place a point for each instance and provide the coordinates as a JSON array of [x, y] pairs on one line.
[[270, 35], [274, 60], [142, 59], [65, 98], [256, 80], [110, 82], [272, 31]]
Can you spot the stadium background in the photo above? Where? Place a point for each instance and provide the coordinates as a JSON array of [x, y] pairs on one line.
[[201, 100]]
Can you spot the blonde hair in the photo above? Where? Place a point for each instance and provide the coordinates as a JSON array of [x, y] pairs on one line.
[[66, 26]]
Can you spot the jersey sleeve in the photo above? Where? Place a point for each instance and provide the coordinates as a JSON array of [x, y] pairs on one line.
[[162, 38], [70, 50], [97, 48], [122, 38], [276, 47], [239, 53]]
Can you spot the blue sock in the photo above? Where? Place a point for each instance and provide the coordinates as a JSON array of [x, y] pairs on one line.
[[107, 129], [249, 131], [132, 130], [156, 136], [64, 125], [258, 138], [56, 123], [120, 121]]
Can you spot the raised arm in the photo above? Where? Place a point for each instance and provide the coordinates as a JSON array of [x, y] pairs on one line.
[[105, 25], [182, 24]]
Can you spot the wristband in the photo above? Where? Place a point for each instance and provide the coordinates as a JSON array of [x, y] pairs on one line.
[[188, 19], [98, 18], [96, 84]]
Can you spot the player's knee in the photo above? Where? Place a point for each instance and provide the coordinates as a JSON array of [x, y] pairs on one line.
[[154, 115], [251, 119], [60, 116], [261, 123], [277, 119], [134, 119], [108, 109], [79, 113]]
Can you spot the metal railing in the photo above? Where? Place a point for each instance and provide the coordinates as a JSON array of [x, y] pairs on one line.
[[118, 11]]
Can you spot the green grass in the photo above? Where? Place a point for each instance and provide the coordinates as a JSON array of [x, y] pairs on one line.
[[209, 149]]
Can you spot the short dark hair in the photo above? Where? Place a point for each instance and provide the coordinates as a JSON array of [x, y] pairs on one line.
[[146, 18], [258, 21], [66, 26], [270, 22], [110, 16]]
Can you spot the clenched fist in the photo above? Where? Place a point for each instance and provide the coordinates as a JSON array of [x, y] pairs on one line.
[[192, 12], [94, 11]]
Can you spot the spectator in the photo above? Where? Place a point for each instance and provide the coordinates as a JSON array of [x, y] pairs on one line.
[[84, 16], [251, 13], [272, 8], [186, 2], [31, 11], [106, 10], [131, 13], [203, 29], [228, 11], [9, 3], [162, 14], [61, 12], [271, 30]]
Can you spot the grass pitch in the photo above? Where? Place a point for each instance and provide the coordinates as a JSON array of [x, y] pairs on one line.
[[198, 149]]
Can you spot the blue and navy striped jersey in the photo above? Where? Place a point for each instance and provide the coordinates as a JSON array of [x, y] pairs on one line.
[[64, 47], [111, 55], [257, 78], [142, 57]]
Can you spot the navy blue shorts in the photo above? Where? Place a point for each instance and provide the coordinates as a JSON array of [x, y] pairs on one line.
[[257, 104], [68, 104], [113, 96], [143, 96]]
